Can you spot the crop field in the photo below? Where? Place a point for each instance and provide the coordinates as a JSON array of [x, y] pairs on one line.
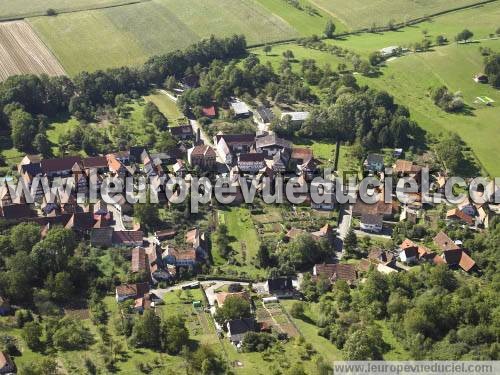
[[10, 9], [22, 52], [128, 35], [409, 79], [357, 14]]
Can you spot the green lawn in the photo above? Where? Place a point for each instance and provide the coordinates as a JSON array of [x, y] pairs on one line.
[[244, 241], [310, 332], [305, 23], [167, 106], [361, 13], [128, 35], [409, 79], [28, 8]]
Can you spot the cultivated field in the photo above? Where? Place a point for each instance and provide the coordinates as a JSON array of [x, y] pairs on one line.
[[128, 35], [10, 9], [361, 13], [22, 52]]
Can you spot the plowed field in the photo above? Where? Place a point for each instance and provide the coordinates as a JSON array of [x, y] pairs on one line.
[[22, 52]]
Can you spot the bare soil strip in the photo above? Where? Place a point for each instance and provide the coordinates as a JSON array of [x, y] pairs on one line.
[[23, 52]]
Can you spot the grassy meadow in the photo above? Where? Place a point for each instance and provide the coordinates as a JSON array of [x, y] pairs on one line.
[[410, 78], [481, 20], [359, 14], [306, 23], [167, 106], [28, 8], [128, 35]]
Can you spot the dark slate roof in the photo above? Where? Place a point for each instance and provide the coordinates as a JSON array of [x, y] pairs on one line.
[[265, 113], [250, 157], [181, 130], [32, 169], [272, 140], [60, 164], [281, 283], [17, 211], [240, 327], [375, 159], [371, 219], [236, 138], [95, 162]]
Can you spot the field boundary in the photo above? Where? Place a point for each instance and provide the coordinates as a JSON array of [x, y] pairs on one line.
[[378, 29], [73, 10]]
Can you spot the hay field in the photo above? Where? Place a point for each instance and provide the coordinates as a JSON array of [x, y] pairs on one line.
[[10, 9], [410, 78], [22, 52], [363, 13], [129, 35]]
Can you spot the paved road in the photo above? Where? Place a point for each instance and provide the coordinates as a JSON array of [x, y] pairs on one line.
[[344, 226]]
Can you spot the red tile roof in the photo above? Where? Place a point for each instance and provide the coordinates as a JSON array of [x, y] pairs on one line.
[[128, 237], [444, 242], [208, 111], [334, 272], [460, 215]]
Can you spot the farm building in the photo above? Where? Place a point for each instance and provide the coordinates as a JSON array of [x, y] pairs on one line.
[[390, 51], [240, 109]]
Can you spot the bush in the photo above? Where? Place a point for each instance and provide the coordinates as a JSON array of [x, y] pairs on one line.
[[22, 317], [51, 12], [257, 342]]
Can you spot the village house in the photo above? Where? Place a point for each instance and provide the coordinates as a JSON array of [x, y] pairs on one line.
[[240, 109], [60, 167], [209, 111], [383, 257], [182, 132], [443, 242], [408, 252], [458, 258], [251, 162], [128, 238], [230, 146], [159, 271], [179, 168], [371, 223], [264, 115], [335, 272], [238, 328], [140, 263], [196, 239], [165, 234], [7, 365], [271, 144], [406, 168], [202, 156], [179, 257], [459, 216], [131, 291], [296, 118], [374, 163], [282, 287], [101, 237]]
